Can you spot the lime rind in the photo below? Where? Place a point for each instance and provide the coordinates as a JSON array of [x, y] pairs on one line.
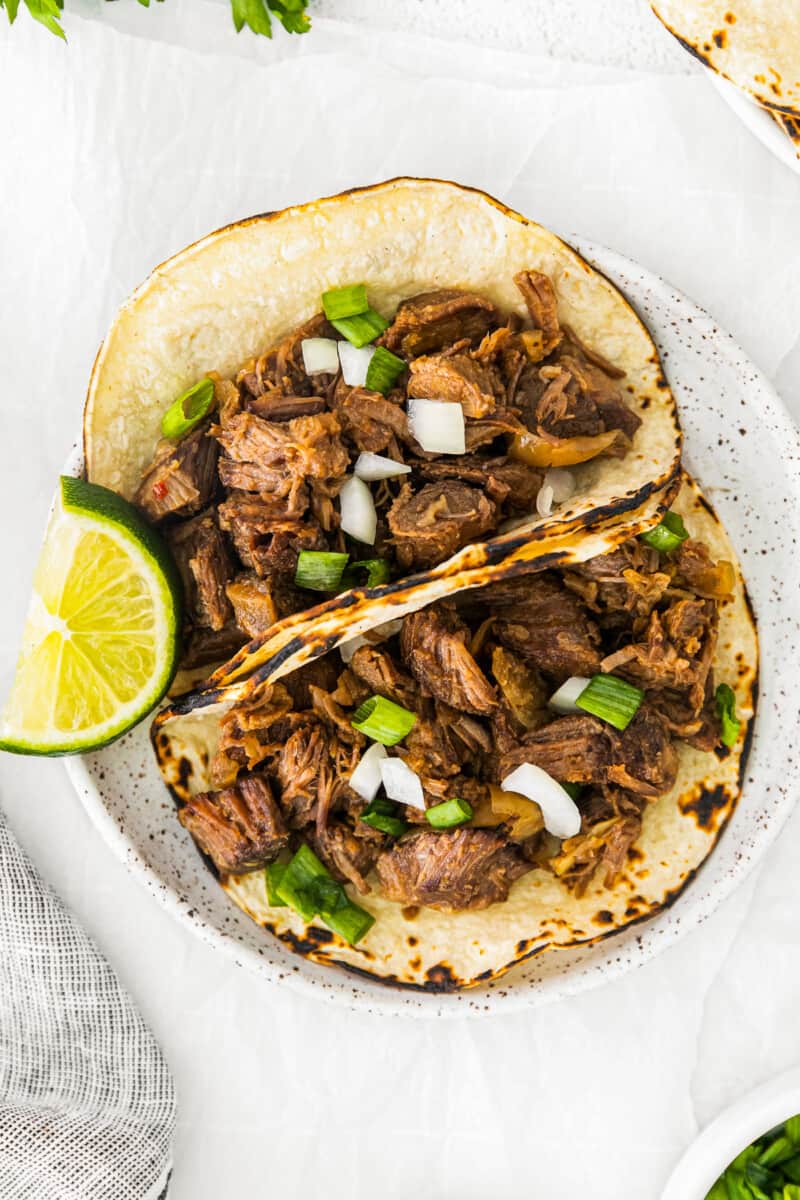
[[92, 521]]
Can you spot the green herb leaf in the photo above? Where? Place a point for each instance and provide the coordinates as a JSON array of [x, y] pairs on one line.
[[449, 814], [377, 570], [341, 302], [612, 699], [383, 371], [668, 535], [793, 1130], [188, 410], [320, 570], [725, 698], [383, 720], [273, 876], [11, 7], [47, 13], [361, 329]]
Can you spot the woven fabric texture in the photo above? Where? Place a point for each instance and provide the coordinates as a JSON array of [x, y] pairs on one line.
[[87, 1104]]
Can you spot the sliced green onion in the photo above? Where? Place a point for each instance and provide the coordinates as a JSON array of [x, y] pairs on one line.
[[274, 874], [381, 814], [611, 699], [309, 888], [383, 720], [189, 409], [296, 886], [573, 790], [377, 573], [384, 370], [668, 535], [320, 570], [449, 814], [361, 329], [345, 302], [725, 698]]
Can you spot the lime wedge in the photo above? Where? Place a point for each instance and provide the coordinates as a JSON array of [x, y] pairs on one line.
[[101, 640]]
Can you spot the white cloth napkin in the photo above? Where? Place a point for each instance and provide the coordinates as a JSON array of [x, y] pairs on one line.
[[87, 1104]]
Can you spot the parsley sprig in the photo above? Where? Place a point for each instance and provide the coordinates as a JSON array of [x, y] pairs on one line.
[[255, 14]]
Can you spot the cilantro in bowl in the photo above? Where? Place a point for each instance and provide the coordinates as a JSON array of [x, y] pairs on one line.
[[769, 1169]]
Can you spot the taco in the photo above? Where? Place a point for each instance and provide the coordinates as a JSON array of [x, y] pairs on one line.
[[525, 765], [754, 44], [357, 394]]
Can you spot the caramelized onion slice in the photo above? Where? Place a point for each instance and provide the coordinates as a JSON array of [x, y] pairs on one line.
[[566, 452]]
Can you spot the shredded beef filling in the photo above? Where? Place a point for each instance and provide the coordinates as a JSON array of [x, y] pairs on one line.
[[264, 471], [477, 672]]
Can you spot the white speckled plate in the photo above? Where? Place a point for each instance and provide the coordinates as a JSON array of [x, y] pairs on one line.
[[744, 450]]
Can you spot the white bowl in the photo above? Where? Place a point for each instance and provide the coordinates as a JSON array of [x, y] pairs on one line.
[[745, 452], [733, 1130]]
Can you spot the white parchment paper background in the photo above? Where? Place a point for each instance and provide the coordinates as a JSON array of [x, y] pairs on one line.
[[119, 149]]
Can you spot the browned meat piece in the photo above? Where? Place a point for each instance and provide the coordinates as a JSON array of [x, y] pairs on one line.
[[331, 713], [320, 673], [512, 484], [696, 570], [283, 366], [441, 518], [522, 688], [629, 580], [540, 299], [298, 774], [433, 320], [253, 521], [370, 421], [458, 379], [253, 605], [582, 749], [644, 759], [206, 646], [380, 673], [564, 409], [574, 749], [453, 871], [540, 620], [603, 393], [205, 567], [601, 849], [277, 555], [430, 751], [181, 478], [277, 457], [252, 732], [434, 646], [677, 652], [473, 735], [502, 423], [276, 406], [240, 828], [348, 858]]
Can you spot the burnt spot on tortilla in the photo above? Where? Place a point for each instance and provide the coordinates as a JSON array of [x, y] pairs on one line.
[[410, 912], [603, 917], [412, 941], [308, 943], [720, 38], [415, 963], [185, 771], [440, 978], [730, 18], [707, 805], [523, 945]]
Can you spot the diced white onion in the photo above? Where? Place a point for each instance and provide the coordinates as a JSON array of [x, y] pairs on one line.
[[366, 779], [560, 813], [437, 425], [378, 634], [355, 363], [376, 466], [544, 500], [563, 700], [401, 783], [320, 356], [357, 515], [561, 482]]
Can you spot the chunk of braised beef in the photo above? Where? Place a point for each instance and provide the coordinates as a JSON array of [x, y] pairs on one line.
[[431, 525], [564, 410], [240, 828], [277, 406], [378, 670], [509, 484], [456, 379], [433, 643], [205, 568], [181, 479], [523, 691], [434, 320], [254, 607], [539, 619], [601, 849], [582, 749], [696, 570], [348, 858], [628, 581], [252, 732], [206, 646], [277, 458], [452, 871], [282, 368], [372, 422], [677, 651], [540, 300]]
